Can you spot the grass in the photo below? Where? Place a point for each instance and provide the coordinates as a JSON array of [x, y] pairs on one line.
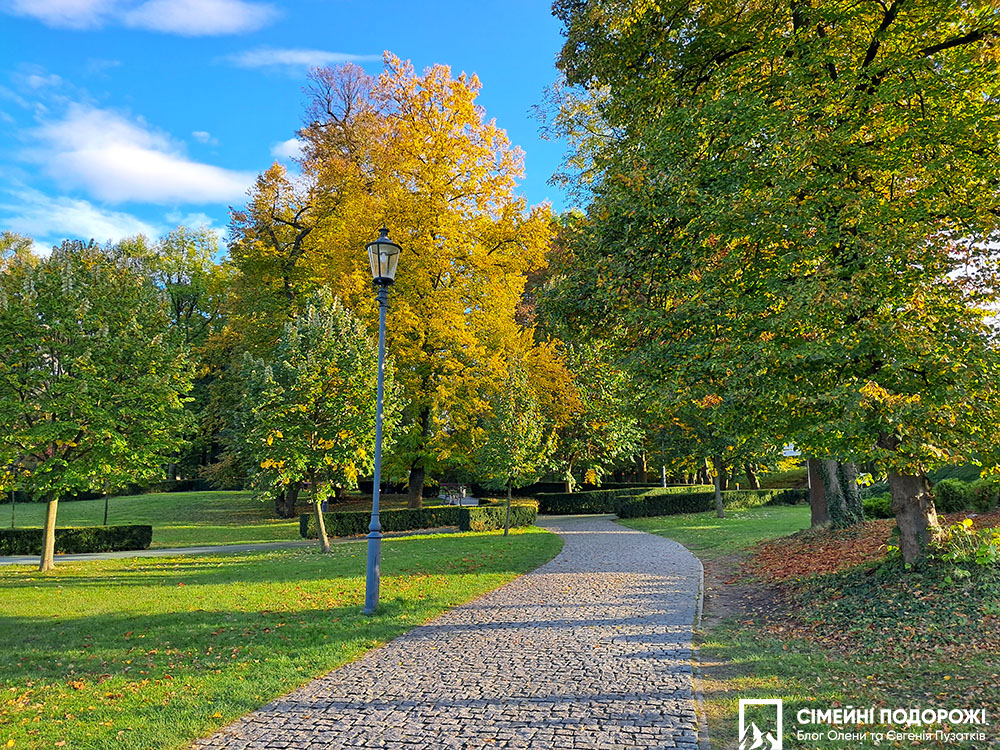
[[153, 653], [824, 619], [709, 537], [186, 519]]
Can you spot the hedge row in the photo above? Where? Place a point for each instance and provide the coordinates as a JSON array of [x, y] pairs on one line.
[[470, 518], [77, 540], [603, 501], [950, 496], [662, 503]]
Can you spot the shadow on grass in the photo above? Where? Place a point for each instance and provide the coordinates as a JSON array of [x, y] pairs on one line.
[[418, 556]]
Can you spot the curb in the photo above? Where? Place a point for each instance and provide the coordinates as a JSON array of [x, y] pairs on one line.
[[704, 742]]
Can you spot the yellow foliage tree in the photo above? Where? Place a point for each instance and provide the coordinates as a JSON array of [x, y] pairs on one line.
[[412, 152]]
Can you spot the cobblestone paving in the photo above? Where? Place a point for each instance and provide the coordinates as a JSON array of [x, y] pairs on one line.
[[592, 650]]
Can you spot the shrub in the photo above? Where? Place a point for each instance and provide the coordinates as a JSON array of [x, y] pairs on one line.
[[77, 540], [878, 506], [985, 494], [662, 503], [491, 518], [961, 544], [603, 501], [468, 518], [355, 523], [952, 495]]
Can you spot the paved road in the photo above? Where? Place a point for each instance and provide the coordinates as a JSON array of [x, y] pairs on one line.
[[592, 650]]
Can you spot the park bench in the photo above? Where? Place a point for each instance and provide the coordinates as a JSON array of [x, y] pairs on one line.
[[454, 493]]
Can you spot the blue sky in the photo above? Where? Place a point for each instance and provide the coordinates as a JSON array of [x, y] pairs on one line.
[[126, 116]]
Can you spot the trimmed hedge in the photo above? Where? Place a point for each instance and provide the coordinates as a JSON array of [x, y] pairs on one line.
[[878, 506], [491, 517], [602, 501], [661, 502], [952, 496], [77, 540], [468, 518]]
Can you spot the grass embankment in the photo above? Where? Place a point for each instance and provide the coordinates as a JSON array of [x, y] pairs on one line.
[[152, 653], [825, 619], [186, 519]]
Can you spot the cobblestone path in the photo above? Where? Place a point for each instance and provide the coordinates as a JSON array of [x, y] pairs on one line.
[[592, 650]]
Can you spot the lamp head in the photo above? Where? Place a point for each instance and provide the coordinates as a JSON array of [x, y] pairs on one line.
[[383, 254]]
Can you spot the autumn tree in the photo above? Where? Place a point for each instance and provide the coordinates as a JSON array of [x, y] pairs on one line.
[[829, 171], [92, 378], [412, 152], [308, 413]]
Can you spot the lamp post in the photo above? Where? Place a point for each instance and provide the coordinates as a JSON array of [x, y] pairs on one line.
[[383, 254]]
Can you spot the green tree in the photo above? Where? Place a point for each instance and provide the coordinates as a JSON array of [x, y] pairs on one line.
[[308, 412], [828, 173], [517, 442], [92, 378]]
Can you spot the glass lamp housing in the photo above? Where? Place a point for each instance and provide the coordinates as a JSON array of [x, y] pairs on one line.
[[383, 254]]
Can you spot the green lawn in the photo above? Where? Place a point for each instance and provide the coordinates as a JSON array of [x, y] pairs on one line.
[[185, 519], [709, 537], [179, 519], [152, 653]]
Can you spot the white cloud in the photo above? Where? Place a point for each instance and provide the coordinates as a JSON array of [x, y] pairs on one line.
[[185, 17], [203, 136], [118, 160], [53, 219], [200, 17], [73, 14], [294, 59], [38, 81], [290, 149]]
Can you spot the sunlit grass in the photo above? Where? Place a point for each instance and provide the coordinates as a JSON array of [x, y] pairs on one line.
[[710, 537], [154, 652]]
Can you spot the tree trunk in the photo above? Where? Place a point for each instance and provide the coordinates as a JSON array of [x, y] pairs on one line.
[[916, 516], [817, 494], [843, 500], [416, 496], [106, 495], [702, 476], [720, 511], [340, 492], [851, 493], [640, 467], [752, 481], [506, 520], [324, 541], [284, 502], [47, 561], [723, 474]]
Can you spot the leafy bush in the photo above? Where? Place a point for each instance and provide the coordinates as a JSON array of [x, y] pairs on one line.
[[662, 503], [952, 495], [878, 506], [491, 518], [985, 494], [963, 546], [77, 540], [469, 518]]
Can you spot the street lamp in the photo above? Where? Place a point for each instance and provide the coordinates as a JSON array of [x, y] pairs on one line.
[[383, 254]]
